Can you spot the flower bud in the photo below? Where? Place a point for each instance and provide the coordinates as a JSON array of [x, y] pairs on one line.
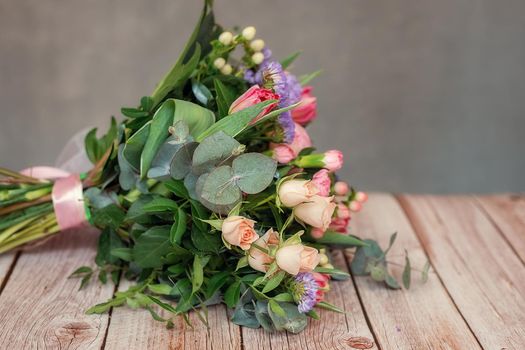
[[294, 192], [297, 258], [361, 197], [333, 160], [341, 188], [257, 45], [323, 259], [317, 212], [253, 96], [226, 38], [355, 206], [322, 180], [258, 259], [227, 69], [249, 33], [258, 58], [219, 62]]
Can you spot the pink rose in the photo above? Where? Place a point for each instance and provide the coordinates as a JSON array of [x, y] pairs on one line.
[[333, 160], [297, 258], [258, 259], [317, 212], [306, 111], [294, 192], [301, 139], [341, 188], [253, 96], [322, 180], [238, 231]]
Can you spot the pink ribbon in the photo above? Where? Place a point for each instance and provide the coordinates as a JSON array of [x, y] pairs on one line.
[[67, 195]]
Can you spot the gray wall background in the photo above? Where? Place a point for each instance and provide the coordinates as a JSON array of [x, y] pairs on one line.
[[421, 95]]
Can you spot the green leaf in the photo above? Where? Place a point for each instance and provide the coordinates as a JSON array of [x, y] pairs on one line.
[[235, 123], [151, 246], [196, 117], [232, 294], [305, 79], [127, 175], [254, 172], [424, 273], [293, 321], [80, 271], [134, 145], [283, 297], [276, 308], [161, 288], [216, 282], [177, 187], [146, 103], [391, 242], [391, 282], [102, 277], [107, 241], [198, 274], [285, 63], [225, 97], [133, 112], [104, 307], [158, 133], [201, 92], [95, 148], [162, 304], [205, 241], [337, 239], [213, 150], [122, 253], [181, 162], [377, 272], [220, 188], [331, 307], [406, 272], [109, 216], [336, 274], [179, 227], [263, 316], [274, 282], [160, 204], [243, 262]]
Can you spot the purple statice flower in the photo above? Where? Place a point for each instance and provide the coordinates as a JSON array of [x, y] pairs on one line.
[[304, 290], [294, 89], [287, 124]]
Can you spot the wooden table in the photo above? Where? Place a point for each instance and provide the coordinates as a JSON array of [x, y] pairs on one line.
[[474, 297]]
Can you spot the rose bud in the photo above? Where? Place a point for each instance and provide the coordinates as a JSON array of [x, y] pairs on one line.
[[317, 232], [258, 259], [238, 231], [253, 96], [355, 206], [342, 211], [282, 153], [341, 188], [317, 212], [361, 197], [297, 258], [306, 111], [294, 192], [322, 180], [333, 160]]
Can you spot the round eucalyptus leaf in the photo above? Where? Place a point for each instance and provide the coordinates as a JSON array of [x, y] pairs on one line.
[[219, 188], [179, 132], [213, 150], [181, 162], [254, 172], [293, 321], [190, 182], [160, 168]]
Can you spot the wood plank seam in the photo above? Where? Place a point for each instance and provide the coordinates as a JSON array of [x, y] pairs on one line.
[[9, 271], [110, 312], [369, 324], [415, 228], [489, 217]]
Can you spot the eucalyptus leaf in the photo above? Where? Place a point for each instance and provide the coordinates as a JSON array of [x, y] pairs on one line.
[[406, 272], [181, 162], [254, 172], [220, 188], [201, 92], [212, 150], [293, 321]]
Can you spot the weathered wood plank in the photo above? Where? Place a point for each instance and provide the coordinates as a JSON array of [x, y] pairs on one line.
[[136, 329], [6, 261], [422, 317], [41, 308], [333, 331], [481, 272], [508, 214]]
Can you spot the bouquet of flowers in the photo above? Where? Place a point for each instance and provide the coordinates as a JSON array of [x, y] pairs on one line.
[[208, 192]]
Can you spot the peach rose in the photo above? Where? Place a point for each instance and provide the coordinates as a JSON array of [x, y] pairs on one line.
[[317, 212], [294, 192], [297, 258], [238, 231], [258, 259]]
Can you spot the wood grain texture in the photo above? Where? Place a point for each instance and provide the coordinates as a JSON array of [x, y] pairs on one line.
[[333, 331], [481, 272], [136, 329], [508, 214], [6, 261], [41, 308], [422, 317]]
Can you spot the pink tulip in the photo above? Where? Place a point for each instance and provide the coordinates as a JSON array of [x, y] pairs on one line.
[[322, 181], [307, 109], [253, 96]]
